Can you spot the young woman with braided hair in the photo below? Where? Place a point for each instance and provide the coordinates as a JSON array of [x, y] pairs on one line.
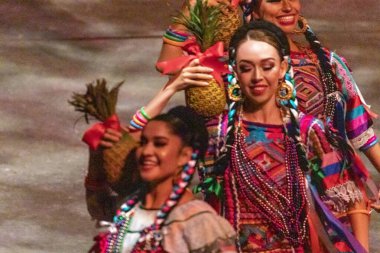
[[268, 153], [162, 215]]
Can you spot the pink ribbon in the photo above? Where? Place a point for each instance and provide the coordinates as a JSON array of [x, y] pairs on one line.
[[212, 58], [94, 134]]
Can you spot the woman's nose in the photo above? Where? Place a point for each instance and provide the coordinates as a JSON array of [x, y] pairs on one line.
[[146, 149], [286, 6], [257, 75]]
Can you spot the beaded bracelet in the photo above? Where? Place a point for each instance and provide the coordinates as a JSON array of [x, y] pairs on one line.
[[144, 114], [139, 120], [174, 37]]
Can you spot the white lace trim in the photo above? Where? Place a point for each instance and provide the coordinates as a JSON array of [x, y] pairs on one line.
[[359, 141], [341, 196]]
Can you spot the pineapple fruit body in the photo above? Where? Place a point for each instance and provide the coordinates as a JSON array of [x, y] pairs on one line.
[[114, 158], [229, 22], [206, 101]]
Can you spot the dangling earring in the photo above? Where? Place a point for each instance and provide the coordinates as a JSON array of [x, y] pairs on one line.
[[285, 92], [302, 23], [234, 92]]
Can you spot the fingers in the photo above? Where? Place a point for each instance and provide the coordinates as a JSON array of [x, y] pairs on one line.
[[110, 137], [196, 78], [193, 63], [197, 75]]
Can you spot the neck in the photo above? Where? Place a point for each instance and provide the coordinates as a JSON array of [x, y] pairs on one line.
[[266, 114], [293, 45], [157, 194]]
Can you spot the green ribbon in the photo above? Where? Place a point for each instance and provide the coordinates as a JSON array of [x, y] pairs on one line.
[[316, 168], [209, 185]]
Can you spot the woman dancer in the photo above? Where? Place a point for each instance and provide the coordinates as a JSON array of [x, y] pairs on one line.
[[265, 195], [162, 215]]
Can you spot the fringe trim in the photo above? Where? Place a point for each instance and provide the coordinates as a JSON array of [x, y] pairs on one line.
[[340, 196]]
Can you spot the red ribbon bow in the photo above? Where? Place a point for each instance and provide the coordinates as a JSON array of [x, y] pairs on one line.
[[94, 134], [212, 58]]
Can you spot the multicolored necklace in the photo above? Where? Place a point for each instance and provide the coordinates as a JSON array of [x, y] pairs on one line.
[[285, 209], [150, 238]]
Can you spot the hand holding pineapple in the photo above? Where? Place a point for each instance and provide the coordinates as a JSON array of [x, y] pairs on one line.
[[193, 75], [100, 103]]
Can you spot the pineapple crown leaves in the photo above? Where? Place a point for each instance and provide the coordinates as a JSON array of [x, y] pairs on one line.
[[98, 101], [202, 22]]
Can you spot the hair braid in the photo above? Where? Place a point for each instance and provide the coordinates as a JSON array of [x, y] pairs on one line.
[[326, 71], [335, 137]]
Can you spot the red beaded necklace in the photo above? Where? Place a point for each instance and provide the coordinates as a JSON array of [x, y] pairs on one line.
[[285, 209]]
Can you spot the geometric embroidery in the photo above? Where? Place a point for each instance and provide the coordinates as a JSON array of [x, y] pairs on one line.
[[310, 93]]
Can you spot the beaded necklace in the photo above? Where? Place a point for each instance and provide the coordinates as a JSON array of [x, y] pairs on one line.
[[285, 209]]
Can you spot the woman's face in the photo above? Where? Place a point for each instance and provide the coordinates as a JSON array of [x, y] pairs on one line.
[[161, 153], [283, 13], [259, 69]]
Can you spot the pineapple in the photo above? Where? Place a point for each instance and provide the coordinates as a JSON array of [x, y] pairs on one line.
[[203, 22], [100, 103], [229, 22]]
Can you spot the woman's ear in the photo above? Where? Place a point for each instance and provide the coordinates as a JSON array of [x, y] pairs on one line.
[[185, 155], [284, 67]]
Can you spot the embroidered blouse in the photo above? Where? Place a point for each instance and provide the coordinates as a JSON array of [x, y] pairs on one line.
[[265, 145]]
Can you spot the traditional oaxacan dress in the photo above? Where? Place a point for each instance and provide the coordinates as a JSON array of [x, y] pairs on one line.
[[261, 222]]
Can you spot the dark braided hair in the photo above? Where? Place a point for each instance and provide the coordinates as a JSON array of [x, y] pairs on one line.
[[335, 135], [188, 125]]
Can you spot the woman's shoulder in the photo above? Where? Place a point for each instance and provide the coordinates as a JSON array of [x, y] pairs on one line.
[[190, 209], [195, 225]]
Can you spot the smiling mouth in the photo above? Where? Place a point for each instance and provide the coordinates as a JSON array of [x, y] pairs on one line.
[[258, 89], [287, 20]]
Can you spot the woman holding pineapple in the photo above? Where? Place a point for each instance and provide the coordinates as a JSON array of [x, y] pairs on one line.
[[151, 164], [162, 215]]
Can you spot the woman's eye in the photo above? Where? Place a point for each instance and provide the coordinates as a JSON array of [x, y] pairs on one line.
[[267, 67], [273, 1], [244, 69], [160, 143]]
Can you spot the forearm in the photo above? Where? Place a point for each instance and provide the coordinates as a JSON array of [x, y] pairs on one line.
[[373, 154], [156, 105]]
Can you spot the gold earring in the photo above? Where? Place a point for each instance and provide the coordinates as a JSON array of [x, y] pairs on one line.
[[302, 23], [234, 92], [284, 91]]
